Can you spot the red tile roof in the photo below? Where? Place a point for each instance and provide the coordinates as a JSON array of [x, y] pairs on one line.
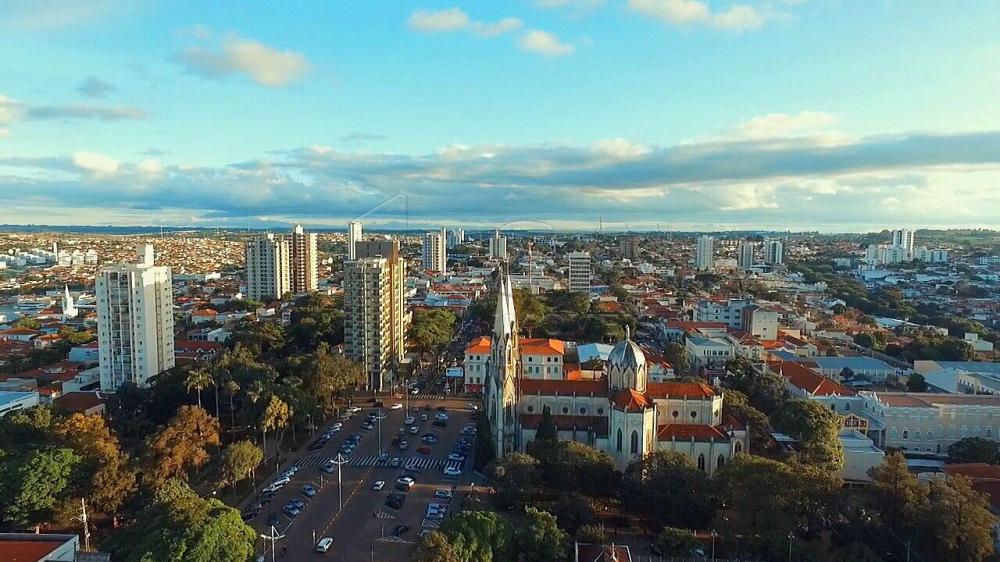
[[974, 470], [542, 346], [479, 345], [690, 431], [564, 387], [27, 551], [79, 401], [811, 382], [679, 390], [631, 400]]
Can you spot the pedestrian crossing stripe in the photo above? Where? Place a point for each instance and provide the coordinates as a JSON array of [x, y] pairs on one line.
[[431, 524], [406, 462], [383, 515]]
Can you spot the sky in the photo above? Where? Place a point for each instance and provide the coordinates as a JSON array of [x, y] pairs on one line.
[[828, 115]]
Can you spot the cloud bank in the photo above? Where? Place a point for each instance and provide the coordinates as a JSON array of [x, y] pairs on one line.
[[263, 65]]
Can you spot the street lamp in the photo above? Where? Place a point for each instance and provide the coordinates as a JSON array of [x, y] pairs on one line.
[[340, 461], [380, 416], [714, 534], [790, 537], [274, 537]]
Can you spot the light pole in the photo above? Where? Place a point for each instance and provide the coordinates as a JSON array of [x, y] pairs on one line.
[[274, 537], [381, 416], [714, 534], [340, 461], [790, 547]]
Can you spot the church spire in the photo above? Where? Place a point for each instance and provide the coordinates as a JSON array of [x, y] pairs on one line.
[[505, 321]]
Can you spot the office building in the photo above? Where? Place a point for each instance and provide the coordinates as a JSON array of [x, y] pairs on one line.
[[267, 261], [704, 257], [434, 254], [774, 252], [135, 322], [579, 272], [745, 254], [375, 320], [629, 247], [498, 246], [353, 237], [302, 261]]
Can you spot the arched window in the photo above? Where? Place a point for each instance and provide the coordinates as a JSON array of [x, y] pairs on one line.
[[739, 447], [701, 462], [635, 443], [619, 440], [719, 462]]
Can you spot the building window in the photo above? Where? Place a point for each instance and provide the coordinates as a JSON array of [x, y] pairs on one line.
[[600, 411], [906, 434], [694, 414], [719, 462], [565, 410], [619, 440], [675, 413], [635, 443], [583, 411], [701, 462], [739, 447], [916, 435], [531, 409]]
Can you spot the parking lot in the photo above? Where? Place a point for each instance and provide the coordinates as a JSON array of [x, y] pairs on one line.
[[369, 517]]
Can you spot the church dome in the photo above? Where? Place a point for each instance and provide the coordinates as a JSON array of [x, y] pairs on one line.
[[627, 356]]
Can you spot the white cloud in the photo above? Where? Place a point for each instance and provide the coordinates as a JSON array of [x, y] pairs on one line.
[[4, 133], [196, 31], [737, 17], [777, 125], [578, 4], [455, 19], [545, 43], [95, 162], [9, 109], [264, 65], [620, 148], [150, 167]]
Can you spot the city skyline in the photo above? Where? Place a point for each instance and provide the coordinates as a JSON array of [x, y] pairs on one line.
[[655, 114]]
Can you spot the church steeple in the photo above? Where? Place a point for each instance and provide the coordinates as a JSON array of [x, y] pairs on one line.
[[68, 306]]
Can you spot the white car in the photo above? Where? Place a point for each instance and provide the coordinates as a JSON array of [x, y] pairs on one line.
[[406, 481], [276, 485], [396, 406], [409, 420], [324, 544], [452, 471], [354, 409], [415, 391], [443, 494], [378, 485]]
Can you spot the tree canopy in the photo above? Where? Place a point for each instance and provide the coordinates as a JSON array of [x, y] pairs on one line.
[[817, 430]]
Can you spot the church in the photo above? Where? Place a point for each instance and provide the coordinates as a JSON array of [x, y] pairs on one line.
[[621, 412]]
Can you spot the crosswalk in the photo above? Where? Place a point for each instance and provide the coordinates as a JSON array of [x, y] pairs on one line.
[[366, 461]]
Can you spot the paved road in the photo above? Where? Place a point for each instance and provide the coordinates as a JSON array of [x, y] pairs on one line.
[[364, 521]]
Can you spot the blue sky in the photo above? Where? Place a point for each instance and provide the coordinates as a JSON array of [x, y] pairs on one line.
[[693, 114]]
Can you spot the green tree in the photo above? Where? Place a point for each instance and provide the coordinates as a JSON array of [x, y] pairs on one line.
[[479, 536], [856, 552], [541, 539], [735, 404], [530, 310], [32, 484], [974, 449], [484, 450], [274, 416], [817, 430], [895, 492], [198, 380], [916, 383], [182, 445], [740, 483], [328, 376], [179, 525], [960, 520], [593, 534], [239, 460], [434, 547], [667, 489], [515, 476], [765, 391], [677, 542], [594, 470], [431, 330], [573, 510], [677, 356], [546, 427]]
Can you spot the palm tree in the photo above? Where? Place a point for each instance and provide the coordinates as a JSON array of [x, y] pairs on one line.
[[275, 415], [232, 387], [199, 379]]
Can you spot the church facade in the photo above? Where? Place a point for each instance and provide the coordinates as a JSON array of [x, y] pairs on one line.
[[622, 412]]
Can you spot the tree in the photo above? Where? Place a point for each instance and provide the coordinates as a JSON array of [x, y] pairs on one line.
[[182, 445], [666, 488], [515, 476], [814, 495], [479, 536], [817, 430], [484, 449], [740, 483], [895, 492], [530, 310], [594, 470], [735, 404], [573, 510], [32, 484], [541, 539], [856, 552], [179, 525], [677, 356], [198, 380], [434, 548], [112, 477], [959, 520], [275, 416], [677, 542], [765, 391], [974, 449], [916, 383], [546, 427], [327, 376], [593, 534], [239, 460], [431, 330]]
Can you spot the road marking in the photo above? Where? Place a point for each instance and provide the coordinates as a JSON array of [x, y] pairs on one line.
[[347, 500]]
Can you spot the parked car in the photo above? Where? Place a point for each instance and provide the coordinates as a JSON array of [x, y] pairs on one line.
[[456, 457], [408, 420], [423, 417], [396, 406], [444, 494], [404, 445], [324, 544], [440, 423], [378, 485], [414, 430], [452, 471], [309, 491]]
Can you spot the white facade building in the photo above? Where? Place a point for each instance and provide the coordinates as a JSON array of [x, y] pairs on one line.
[[903, 238], [745, 254], [135, 321], [267, 262], [375, 321], [579, 272], [930, 422], [353, 237], [498, 246], [704, 257], [434, 254], [302, 261], [774, 252]]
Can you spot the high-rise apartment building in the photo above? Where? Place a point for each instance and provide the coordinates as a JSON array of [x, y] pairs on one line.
[[629, 247], [745, 254], [353, 237], [135, 321], [267, 261], [704, 257], [375, 319], [498, 246], [434, 254], [774, 252], [903, 238], [302, 261], [456, 237], [579, 272]]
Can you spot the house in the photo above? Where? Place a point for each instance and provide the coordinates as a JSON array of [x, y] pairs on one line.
[[87, 403], [585, 552], [11, 401], [19, 334]]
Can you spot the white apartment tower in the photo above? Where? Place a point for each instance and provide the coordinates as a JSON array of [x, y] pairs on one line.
[[135, 321], [745, 254], [353, 237], [498, 246], [903, 238], [456, 236], [704, 257], [302, 261], [267, 260], [579, 272], [375, 321], [434, 254], [774, 252]]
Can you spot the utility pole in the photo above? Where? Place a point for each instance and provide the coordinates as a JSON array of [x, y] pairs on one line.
[[381, 416], [274, 537], [86, 524], [340, 461]]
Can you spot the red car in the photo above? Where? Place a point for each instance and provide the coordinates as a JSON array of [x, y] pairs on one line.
[[424, 450]]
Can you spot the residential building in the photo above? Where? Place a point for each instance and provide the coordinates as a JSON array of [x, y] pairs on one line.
[[267, 264], [903, 238], [930, 422], [375, 321], [931, 255], [622, 412], [135, 321], [708, 352], [302, 261], [729, 311], [456, 237], [629, 247], [434, 254], [11, 401], [759, 322], [704, 257], [353, 237], [745, 254], [34, 547], [498, 246], [774, 252], [579, 272]]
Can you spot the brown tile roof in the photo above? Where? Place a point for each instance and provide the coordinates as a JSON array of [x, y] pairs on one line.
[[79, 401], [679, 390], [811, 382], [974, 470], [631, 400], [27, 551], [690, 431], [564, 387]]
